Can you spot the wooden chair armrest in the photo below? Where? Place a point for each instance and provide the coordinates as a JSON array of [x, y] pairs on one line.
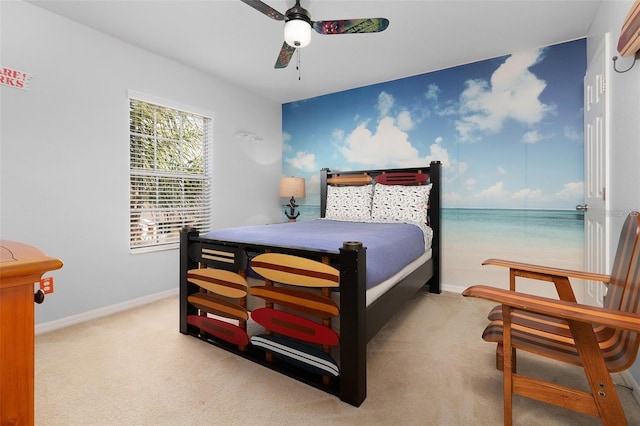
[[557, 308], [538, 269]]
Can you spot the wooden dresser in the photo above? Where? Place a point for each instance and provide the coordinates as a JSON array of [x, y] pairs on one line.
[[21, 266]]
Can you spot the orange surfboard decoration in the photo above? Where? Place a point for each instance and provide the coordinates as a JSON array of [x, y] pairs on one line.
[[629, 41], [300, 300], [228, 332], [219, 281], [295, 326], [294, 270], [217, 306]]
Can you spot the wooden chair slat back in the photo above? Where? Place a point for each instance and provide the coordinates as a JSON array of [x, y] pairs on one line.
[[622, 262], [625, 296]]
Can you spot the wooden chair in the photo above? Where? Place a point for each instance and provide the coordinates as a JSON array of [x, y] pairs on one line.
[[601, 340]]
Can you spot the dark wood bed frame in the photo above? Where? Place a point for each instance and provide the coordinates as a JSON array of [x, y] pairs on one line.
[[358, 323]]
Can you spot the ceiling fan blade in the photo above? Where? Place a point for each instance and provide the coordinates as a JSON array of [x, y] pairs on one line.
[[265, 8], [285, 55], [348, 26]]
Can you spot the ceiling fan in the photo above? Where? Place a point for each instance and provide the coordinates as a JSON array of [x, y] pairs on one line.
[[298, 24]]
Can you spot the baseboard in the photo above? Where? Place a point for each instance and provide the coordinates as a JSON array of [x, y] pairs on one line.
[[102, 312], [452, 288], [631, 383]]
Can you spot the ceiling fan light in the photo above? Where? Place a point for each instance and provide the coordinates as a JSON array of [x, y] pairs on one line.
[[297, 32]]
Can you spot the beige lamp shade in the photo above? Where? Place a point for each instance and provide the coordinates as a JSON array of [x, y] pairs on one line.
[[292, 187]]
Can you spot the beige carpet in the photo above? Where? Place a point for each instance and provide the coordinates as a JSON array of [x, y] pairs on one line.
[[427, 366]]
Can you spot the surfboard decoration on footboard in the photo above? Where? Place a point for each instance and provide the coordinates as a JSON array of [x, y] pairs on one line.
[[301, 285], [300, 300], [219, 281], [299, 354], [222, 294], [221, 329], [294, 270], [629, 41], [295, 326]]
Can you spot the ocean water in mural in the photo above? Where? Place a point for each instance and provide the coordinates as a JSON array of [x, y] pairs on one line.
[[557, 228], [541, 228]]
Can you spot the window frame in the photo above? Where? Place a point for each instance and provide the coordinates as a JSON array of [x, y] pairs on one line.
[[207, 208]]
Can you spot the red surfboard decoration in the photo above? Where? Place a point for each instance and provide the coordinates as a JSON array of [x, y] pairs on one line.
[[401, 178], [223, 330], [295, 326]]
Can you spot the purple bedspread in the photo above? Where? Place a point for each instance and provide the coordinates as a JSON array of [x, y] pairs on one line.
[[390, 246]]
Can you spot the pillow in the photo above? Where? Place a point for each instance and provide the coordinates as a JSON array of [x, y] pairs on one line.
[[349, 202], [400, 203]]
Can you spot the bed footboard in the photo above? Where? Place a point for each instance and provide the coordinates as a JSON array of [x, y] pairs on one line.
[[351, 384]]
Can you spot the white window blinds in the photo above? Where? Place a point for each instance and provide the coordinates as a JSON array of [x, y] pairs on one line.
[[169, 174]]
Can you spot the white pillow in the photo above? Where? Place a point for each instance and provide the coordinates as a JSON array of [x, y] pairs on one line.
[[400, 203], [349, 202]]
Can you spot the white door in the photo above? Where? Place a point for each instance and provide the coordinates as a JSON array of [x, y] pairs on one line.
[[596, 141]]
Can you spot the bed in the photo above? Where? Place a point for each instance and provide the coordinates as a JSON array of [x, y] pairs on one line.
[[306, 306]]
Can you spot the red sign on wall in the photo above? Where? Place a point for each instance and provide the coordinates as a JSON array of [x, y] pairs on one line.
[[14, 78]]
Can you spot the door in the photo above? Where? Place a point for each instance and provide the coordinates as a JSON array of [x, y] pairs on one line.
[[596, 142]]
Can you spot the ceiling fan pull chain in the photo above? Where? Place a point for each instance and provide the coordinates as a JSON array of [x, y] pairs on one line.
[[298, 66]]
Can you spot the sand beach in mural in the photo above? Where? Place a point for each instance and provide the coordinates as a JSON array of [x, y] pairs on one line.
[[545, 237], [470, 236]]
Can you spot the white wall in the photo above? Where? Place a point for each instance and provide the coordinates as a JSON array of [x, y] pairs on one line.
[[624, 123], [64, 156]]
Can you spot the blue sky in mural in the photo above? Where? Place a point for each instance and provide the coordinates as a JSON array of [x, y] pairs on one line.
[[508, 130]]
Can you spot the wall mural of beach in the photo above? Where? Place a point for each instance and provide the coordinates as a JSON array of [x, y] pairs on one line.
[[509, 133]]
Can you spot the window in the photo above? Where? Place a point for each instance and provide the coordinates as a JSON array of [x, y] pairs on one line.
[[169, 174]]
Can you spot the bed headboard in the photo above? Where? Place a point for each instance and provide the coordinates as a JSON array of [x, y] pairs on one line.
[[405, 176]]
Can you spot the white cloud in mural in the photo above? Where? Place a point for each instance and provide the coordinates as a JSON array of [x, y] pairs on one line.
[[312, 186], [571, 191], [337, 134], [437, 152], [451, 198], [502, 170], [385, 103], [512, 93], [286, 146], [389, 146], [432, 92], [405, 122], [494, 192], [572, 134], [532, 137], [469, 184], [448, 110], [303, 161], [528, 194]]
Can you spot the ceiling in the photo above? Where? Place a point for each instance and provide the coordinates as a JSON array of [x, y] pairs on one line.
[[236, 43]]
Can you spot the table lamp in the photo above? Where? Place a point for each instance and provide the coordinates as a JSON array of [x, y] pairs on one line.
[[292, 187]]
